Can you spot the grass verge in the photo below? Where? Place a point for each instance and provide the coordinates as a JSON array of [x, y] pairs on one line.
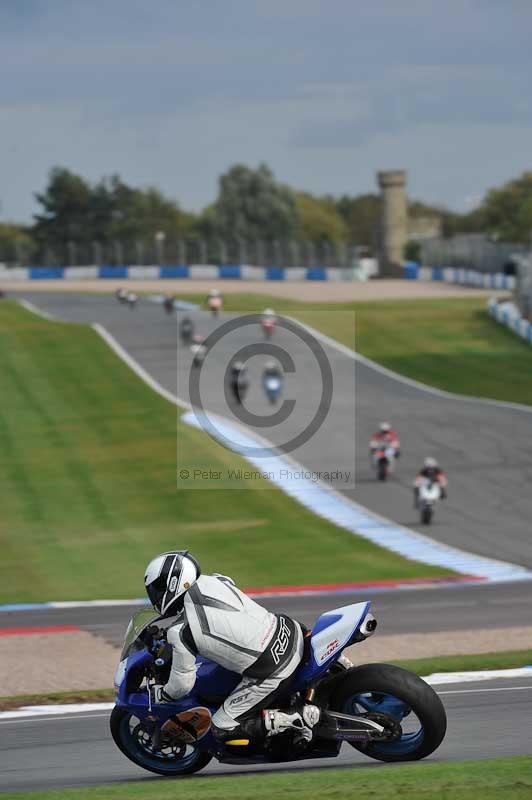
[[421, 666], [469, 780], [88, 482], [511, 659], [452, 343], [57, 698]]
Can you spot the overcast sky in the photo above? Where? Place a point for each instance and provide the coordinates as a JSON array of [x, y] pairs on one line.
[[171, 93]]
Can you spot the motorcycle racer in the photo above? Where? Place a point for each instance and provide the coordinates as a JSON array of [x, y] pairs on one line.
[[433, 472], [214, 301], [268, 321], [386, 435], [238, 381], [217, 620]]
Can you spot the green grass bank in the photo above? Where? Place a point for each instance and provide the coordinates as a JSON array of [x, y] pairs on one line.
[[421, 666], [510, 778], [88, 483], [451, 343]]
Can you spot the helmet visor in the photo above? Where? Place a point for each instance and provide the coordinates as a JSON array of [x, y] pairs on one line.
[[156, 591]]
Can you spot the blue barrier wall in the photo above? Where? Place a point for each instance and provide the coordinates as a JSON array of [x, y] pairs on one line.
[[46, 273], [178, 271], [229, 271], [112, 272], [411, 270], [317, 274], [275, 274]]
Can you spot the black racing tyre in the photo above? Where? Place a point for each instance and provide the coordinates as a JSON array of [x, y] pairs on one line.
[[374, 688], [123, 732], [382, 470], [426, 515]]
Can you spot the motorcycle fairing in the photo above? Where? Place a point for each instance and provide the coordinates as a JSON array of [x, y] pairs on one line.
[[333, 632]]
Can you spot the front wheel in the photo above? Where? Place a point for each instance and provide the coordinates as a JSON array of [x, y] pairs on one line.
[[134, 739], [383, 691]]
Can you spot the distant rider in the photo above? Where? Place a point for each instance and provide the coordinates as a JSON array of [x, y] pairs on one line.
[[386, 436], [239, 381], [168, 303], [272, 370], [215, 620], [214, 301], [268, 321], [198, 349], [272, 381], [186, 330], [431, 471]]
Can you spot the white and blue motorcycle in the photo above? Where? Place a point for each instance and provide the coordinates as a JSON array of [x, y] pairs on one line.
[[272, 384], [383, 711]]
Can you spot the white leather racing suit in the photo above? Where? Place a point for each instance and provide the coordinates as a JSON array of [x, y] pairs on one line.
[[223, 624]]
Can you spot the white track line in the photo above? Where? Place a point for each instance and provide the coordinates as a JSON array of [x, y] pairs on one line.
[[39, 312], [77, 711], [50, 718], [423, 387], [331, 505], [136, 367], [492, 689]]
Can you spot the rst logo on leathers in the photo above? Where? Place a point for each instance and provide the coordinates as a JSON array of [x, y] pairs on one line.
[[280, 645]]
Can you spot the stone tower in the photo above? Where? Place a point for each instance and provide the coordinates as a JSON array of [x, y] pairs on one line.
[[394, 220]]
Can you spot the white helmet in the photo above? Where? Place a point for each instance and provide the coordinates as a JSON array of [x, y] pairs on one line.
[[385, 427], [430, 463], [214, 293], [268, 312], [168, 576]]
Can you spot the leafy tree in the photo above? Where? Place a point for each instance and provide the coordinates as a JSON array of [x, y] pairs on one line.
[[507, 211], [319, 221], [251, 204], [77, 212], [361, 215], [16, 243], [66, 204], [412, 251]]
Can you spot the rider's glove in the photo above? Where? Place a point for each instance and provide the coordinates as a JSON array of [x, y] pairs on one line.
[[160, 696]]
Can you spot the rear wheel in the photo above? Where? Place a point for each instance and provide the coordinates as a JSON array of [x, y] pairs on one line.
[[134, 739], [382, 691], [426, 515], [382, 470]]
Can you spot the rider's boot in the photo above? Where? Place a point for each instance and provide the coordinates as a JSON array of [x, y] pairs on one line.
[[302, 722]]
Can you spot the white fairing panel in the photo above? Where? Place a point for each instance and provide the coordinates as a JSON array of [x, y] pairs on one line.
[[120, 673], [336, 635], [429, 491]]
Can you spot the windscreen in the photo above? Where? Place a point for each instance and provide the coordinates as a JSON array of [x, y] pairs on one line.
[[138, 622]]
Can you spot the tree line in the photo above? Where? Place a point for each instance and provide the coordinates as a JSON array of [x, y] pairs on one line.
[[80, 222]]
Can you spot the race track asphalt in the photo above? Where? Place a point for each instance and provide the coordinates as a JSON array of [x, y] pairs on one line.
[[484, 448], [406, 611], [485, 720]]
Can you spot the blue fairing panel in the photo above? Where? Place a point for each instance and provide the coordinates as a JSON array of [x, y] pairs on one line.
[[213, 680], [333, 631], [325, 621]]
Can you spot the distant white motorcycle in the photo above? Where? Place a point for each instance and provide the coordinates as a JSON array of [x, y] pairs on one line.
[[272, 385], [429, 492], [131, 299]]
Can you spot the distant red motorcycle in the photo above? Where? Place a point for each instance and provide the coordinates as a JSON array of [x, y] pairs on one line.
[[383, 456], [268, 323]]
